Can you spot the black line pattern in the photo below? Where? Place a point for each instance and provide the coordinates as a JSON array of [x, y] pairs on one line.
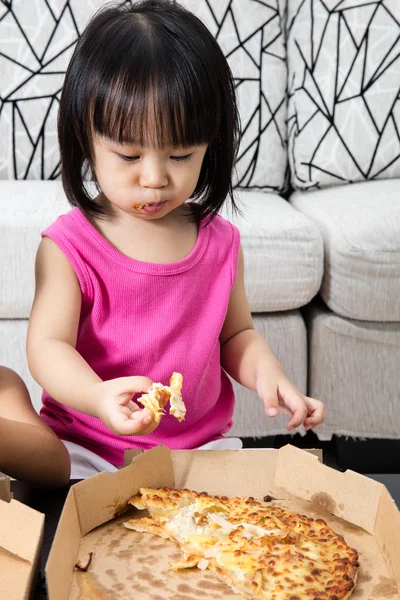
[[37, 38], [344, 91], [251, 34]]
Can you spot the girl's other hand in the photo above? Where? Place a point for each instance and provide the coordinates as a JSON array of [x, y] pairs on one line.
[[279, 394], [116, 409]]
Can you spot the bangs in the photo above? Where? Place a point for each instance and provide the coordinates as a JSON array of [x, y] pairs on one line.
[[149, 74], [159, 105]]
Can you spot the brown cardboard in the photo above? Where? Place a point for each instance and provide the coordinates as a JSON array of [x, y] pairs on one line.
[[95, 501], [100, 498], [348, 495], [5, 493], [128, 565], [387, 532], [357, 499], [21, 534]]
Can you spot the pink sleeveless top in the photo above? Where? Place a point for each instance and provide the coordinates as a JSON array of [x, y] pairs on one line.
[[146, 319]]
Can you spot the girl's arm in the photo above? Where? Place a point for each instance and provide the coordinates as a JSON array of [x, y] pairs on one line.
[[29, 450], [246, 357], [59, 368]]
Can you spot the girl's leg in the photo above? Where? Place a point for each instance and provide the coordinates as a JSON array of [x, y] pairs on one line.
[[225, 443], [29, 450], [85, 463]]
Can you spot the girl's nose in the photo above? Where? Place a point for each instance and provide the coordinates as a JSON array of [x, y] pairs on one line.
[[153, 175]]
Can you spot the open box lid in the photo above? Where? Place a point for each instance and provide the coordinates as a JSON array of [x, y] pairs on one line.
[[356, 498], [5, 492], [21, 535], [349, 495]]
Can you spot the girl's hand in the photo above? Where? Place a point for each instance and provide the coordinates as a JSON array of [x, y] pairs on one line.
[[115, 408], [278, 393]]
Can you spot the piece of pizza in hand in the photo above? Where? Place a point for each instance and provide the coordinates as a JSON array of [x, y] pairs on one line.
[[158, 396]]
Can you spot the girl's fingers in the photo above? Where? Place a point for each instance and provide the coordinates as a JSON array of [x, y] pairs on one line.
[[133, 407], [315, 419], [269, 395], [299, 414], [316, 412], [292, 400], [302, 410], [284, 409], [133, 424], [126, 387]]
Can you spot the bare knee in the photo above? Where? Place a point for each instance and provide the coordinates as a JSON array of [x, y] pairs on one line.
[[10, 379], [14, 396]]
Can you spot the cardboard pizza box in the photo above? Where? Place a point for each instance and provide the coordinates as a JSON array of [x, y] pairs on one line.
[[21, 536], [126, 564]]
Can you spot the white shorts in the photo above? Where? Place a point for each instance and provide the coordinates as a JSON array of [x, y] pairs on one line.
[[85, 463]]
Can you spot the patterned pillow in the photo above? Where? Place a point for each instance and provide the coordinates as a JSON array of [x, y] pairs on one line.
[[36, 43], [344, 83], [251, 34]]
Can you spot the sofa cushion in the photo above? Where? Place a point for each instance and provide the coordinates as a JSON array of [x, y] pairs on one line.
[[26, 209], [344, 103], [354, 370], [360, 226], [286, 334], [13, 355], [283, 252], [251, 34], [283, 249]]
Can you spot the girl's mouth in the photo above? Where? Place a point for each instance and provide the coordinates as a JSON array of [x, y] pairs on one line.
[[149, 208]]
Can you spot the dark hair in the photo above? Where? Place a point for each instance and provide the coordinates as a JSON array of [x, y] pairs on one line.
[[153, 50]]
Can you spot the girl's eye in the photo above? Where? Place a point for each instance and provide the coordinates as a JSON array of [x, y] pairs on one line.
[[181, 158], [128, 158]]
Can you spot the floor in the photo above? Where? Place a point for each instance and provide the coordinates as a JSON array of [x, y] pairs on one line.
[[363, 456]]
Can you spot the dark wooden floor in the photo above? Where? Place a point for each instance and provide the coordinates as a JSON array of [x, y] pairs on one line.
[[363, 456]]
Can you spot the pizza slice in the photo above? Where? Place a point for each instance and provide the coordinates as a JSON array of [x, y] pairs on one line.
[[260, 551], [177, 406], [159, 395]]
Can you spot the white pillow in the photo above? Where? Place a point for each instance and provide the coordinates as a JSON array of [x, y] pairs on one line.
[[344, 83], [251, 35], [30, 93], [36, 41]]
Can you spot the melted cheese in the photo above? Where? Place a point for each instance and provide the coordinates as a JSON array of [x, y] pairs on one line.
[[159, 395], [260, 551]]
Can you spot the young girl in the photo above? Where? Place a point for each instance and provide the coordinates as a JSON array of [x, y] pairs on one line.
[[136, 283], [41, 458]]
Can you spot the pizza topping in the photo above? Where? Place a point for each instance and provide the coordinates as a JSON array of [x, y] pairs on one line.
[[219, 520], [203, 564], [178, 408], [256, 531], [261, 552], [188, 562], [152, 401], [158, 396]]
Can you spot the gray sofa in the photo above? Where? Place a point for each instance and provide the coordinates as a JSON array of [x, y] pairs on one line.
[[318, 183]]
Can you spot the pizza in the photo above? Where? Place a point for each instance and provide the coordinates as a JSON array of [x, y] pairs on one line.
[[158, 396], [259, 550]]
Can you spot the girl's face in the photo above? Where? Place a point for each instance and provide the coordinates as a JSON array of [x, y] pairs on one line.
[[146, 182]]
